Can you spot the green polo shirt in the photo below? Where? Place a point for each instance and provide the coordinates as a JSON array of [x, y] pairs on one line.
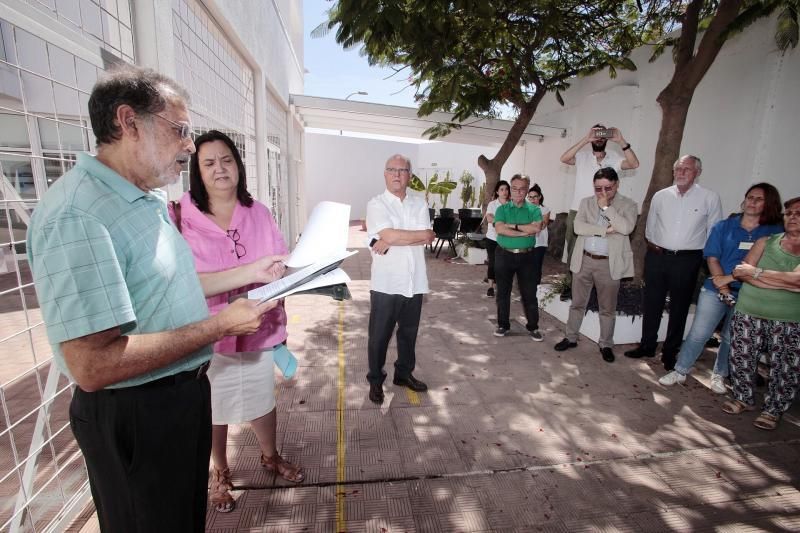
[[772, 304], [104, 254], [511, 214]]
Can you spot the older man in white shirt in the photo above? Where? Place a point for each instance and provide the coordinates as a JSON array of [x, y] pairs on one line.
[[401, 227], [679, 221]]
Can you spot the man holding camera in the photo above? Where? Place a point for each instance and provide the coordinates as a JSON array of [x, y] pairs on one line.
[[401, 227], [587, 164]]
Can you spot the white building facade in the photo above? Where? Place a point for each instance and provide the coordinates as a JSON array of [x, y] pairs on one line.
[[239, 62]]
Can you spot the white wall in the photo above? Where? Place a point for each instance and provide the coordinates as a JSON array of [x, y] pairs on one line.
[[742, 122], [271, 32], [350, 169]]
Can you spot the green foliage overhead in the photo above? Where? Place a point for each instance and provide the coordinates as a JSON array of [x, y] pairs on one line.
[[475, 57], [661, 21]]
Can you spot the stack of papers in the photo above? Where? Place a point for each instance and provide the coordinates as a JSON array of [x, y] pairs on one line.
[[315, 260]]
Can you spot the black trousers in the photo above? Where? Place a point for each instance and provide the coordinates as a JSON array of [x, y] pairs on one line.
[[528, 271], [676, 275], [538, 259], [491, 246], [385, 312], [147, 449]]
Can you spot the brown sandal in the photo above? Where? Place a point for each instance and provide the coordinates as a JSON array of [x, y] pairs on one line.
[[767, 422], [735, 407], [221, 486], [283, 468]]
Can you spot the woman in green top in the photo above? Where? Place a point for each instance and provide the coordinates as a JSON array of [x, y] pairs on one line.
[[767, 319]]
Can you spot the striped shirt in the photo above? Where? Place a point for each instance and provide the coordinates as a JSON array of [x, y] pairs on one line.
[[104, 254]]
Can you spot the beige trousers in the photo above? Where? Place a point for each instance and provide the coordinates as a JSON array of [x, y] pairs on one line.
[[594, 272]]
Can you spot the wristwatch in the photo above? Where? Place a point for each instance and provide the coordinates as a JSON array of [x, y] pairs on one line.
[[757, 273], [626, 147]]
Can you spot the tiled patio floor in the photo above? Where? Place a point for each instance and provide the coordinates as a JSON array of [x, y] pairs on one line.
[[512, 436]]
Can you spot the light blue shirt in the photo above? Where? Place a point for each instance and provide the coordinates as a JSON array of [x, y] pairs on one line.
[[104, 254], [597, 245]]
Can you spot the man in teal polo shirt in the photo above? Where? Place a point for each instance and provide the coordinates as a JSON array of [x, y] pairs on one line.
[[125, 312], [517, 222]]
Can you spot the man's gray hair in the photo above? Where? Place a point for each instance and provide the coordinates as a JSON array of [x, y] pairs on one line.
[[144, 90], [697, 163], [523, 177], [403, 157]]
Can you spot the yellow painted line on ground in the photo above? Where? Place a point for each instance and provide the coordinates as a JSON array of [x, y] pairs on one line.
[[341, 521], [413, 397]]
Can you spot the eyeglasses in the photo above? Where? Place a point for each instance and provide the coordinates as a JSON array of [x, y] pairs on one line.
[[601, 189], [790, 214], [184, 130], [519, 189], [392, 170], [233, 234], [534, 196]]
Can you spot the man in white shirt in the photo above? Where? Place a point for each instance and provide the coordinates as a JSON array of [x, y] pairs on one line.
[[401, 227], [679, 221], [586, 166]]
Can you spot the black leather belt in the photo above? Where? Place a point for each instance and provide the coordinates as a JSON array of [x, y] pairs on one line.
[[600, 257], [177, 379], [663, 251], [517, 250]]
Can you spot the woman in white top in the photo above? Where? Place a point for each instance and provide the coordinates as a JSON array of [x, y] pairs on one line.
[[501, 193], [536, 198]]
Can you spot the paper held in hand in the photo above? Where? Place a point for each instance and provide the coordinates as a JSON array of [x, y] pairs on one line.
[[315, 260]]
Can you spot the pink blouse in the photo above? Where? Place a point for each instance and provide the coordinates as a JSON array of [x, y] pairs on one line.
[[214, 250]]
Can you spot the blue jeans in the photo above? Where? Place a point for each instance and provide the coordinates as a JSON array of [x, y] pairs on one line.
[[707, 315]]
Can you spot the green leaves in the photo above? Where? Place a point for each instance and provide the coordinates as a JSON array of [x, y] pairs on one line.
[[471, 57], [786, 31]]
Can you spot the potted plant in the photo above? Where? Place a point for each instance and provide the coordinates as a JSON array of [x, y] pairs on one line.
[[444, 189], [433, 186], [467, 191]]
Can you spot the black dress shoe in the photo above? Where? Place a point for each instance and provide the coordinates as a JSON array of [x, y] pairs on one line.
[[564, 344], [608, 355], [411, 382], [376, 393], [638, 352]]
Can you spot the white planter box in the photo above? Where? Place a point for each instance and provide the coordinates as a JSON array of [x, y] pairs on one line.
[[627, 330], [472, 255]]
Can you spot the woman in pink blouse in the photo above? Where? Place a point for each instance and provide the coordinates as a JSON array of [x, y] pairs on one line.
[[226, 229]]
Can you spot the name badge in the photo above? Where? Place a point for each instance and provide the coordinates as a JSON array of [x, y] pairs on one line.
[[745, 245]]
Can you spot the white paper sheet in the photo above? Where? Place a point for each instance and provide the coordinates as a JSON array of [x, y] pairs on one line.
[[324, 235]]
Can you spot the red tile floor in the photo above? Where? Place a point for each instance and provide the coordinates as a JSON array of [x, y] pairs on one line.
[[512, 436]]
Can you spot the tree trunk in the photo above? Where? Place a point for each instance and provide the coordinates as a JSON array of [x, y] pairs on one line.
[[492, 167]]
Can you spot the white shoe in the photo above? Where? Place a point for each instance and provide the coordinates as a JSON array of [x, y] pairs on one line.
[[672, 378], [718, 384]]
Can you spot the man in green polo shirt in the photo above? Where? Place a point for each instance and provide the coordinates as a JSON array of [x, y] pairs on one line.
[[517, 222], [125, 311]]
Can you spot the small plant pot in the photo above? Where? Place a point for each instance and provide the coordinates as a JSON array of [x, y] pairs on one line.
[[446, 212]]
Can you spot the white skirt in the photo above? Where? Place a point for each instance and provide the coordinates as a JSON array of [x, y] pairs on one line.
[[242, 386]]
